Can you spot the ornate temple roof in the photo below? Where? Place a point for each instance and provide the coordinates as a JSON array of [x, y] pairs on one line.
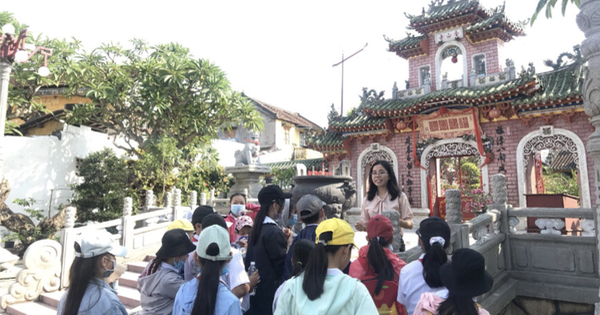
[[481, 24], [560, 88]]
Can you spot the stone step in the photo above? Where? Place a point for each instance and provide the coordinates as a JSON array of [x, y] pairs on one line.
[[31, 308], [129, 296], [52, 299], [137, 266], [129, 279]]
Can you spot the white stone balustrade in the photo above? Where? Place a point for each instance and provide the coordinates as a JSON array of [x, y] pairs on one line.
[[549, 226], [414, 92], [588, 227], [512, 223]]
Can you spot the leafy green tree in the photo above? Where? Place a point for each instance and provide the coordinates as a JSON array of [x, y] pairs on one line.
[[150, 93], [25, 82], [548, 5], [106, 183]]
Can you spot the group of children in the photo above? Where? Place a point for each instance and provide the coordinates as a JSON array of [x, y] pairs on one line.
[[202, 267]]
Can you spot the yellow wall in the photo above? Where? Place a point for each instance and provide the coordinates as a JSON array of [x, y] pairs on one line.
[[46, 129]]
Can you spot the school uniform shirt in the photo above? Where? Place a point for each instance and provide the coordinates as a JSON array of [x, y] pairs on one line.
[[268, 253], [99, 299], [157, 291], [412, 285], [227, 302], [430, 302], [342, 294], [376, 206], [308, 233], [230, 221]]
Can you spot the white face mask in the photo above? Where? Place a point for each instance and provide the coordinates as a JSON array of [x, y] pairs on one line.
[[236, 209]]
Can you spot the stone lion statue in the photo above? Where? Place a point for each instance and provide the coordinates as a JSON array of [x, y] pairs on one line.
[[250, 154]]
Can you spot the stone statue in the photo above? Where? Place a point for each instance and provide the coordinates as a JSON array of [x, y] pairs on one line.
[[249, 155]]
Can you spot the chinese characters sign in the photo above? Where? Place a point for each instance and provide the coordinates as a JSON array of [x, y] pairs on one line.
[[446, 124], [448, 35]]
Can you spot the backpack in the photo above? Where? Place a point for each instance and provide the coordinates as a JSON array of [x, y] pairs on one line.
[[385, 301]]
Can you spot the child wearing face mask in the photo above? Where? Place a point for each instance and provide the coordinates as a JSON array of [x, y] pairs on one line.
[[165, 274], [237, 208], [243, 225]]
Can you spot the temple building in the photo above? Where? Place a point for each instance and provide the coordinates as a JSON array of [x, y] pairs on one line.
[[465, 113]]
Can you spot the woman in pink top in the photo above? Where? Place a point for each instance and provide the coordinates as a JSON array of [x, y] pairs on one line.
[[384, 194]]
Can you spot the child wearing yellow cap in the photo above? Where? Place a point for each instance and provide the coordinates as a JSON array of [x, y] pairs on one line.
[[323, 288]]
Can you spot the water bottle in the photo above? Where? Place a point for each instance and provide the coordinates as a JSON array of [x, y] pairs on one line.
[[251, 270]]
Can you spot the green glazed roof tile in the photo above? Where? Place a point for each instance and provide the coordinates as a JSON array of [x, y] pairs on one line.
[[310, 163], [437, 12], [407, 42]]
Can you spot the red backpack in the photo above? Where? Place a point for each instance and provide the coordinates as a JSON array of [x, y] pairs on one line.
[[385, 301]]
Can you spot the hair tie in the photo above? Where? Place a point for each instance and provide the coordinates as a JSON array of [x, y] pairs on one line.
[[299, 263], [377, 237], [323, 242], [437, 239]]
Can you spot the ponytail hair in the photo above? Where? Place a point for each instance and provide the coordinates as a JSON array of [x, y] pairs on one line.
[[457, 305], [258, 221], [316, 268], [379, 262], [155, 264], [435, 257], [300, 254], [208, 283], [82, 272]]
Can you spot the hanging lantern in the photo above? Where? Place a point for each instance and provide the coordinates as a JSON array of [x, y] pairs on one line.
[[454, 59], [494, 113], [401, 125]]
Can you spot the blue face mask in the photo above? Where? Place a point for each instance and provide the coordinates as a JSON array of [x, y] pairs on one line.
[[179, 265], [235, 209], [293, 221]]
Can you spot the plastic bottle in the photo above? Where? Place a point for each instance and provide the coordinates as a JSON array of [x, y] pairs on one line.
[[251, 270]]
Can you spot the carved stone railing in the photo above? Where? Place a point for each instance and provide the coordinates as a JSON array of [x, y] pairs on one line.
[[550, 221], [414, 92], [493, 78], [41, 273], [452, 84]]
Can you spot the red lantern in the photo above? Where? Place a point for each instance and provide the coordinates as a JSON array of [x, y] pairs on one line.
[[401, 125], [494, 114], [454, 59]]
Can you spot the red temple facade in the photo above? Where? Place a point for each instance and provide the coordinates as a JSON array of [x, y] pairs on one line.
[[465, 104]]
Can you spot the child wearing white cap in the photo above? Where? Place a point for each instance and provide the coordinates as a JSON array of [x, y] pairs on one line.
[[206, 294], [88, 293]]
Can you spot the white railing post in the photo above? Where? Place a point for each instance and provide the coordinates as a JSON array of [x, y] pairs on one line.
[[67, 240], [149, 200], [212, 198], [202, 199], [128, 225], [177, 208]]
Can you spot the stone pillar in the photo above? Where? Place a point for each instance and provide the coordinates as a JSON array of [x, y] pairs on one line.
[[168, 199], [5, 69], [394, 216], [472, 77], [193, 200], [590, 48], [499, 194], [453, 206], [177, 199], [202, 199], [395, 91], [127, 206], [149, 202]]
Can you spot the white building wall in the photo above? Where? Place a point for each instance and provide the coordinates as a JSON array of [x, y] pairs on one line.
[[39, 166]]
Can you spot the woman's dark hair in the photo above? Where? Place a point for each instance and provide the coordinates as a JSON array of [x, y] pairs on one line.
[[434, 258], [392, 184], [300, 254], [316, 267], [258, 221], [82, 272], [457, 305], [208, 283], [381, 265], [238, 194], [155, 264]]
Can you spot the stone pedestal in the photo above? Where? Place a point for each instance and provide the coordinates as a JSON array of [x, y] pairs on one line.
[[247, 177], [394, 217], [352, 216]]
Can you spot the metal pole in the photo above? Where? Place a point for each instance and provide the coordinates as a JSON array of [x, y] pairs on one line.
[[342, 109], [5, 69]]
